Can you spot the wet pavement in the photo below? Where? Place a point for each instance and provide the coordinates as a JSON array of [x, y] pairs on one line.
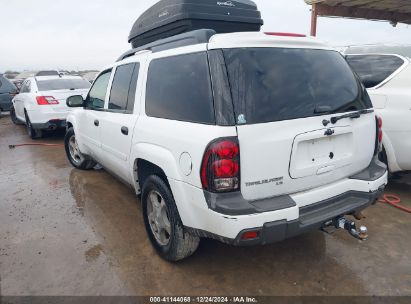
[[70, 232]]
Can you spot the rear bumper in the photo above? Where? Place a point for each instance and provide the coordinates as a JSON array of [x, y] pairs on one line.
[[309, 211], [50, 125], [311, 218], [234, 204], [45, 117]]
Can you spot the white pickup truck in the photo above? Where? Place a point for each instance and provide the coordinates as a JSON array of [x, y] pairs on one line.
[[247, 138]]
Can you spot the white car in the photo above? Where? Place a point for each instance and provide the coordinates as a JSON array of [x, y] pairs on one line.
[[387, 78], [41, 103], [247, 138]]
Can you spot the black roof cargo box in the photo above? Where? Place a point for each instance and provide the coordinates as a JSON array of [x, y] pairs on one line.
[[171, 17]]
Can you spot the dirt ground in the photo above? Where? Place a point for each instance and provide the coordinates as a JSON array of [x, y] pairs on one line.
[[69, 232]]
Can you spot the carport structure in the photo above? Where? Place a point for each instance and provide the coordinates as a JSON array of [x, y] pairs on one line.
[[394, 11]]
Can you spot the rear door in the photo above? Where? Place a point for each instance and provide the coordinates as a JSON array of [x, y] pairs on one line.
[[20, 98], [117, 126], [284, 100]]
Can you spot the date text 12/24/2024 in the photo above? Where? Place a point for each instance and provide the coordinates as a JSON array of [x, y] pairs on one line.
[[203, 300]]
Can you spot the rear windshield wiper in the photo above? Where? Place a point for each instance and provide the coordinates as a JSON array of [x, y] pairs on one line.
[[353, 115]]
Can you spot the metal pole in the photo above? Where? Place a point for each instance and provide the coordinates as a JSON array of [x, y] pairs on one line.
[[314, 17]]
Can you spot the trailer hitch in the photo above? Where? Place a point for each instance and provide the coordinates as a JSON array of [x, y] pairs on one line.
[[343, 223]]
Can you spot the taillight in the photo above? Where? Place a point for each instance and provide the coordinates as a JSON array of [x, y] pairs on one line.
[[46, 100], [220, 169], [250, 235]]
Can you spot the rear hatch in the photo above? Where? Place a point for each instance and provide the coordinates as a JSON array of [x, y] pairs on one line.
[[284, 100], [61, 89]]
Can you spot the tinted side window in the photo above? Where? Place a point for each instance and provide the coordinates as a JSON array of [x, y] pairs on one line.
[[26, 87], [23, 87], [179, 88], [123, 90], [374, 69], [97, 94]]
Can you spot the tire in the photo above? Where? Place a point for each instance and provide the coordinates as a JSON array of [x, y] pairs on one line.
[[74, 155], [172, 245], [33, 133], [13, 116]]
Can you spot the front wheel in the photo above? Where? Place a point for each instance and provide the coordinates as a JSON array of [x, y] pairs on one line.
[[76, 158], [163, 223]]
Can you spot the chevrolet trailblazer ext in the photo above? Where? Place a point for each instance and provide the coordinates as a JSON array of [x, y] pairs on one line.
[[247, 138]]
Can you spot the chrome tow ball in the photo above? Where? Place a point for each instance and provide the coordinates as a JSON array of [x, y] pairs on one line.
[[343, 223]]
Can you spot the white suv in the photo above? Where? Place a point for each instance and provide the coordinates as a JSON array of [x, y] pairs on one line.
[[248, 138], [387, 78]]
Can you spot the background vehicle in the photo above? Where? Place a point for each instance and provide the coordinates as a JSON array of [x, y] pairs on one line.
[[387, 78], [221, 144], [17, 82], [47, 73], [41, 103], [7, 91], [90, 76]]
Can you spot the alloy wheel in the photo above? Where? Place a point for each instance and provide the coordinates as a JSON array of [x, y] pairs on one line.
[[158, 218], [74, 150]]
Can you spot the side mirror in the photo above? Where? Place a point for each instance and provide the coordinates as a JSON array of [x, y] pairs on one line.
[[75, 101]]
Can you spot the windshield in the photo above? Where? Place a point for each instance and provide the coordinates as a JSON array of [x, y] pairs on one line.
[[275, 84], [62, 84]]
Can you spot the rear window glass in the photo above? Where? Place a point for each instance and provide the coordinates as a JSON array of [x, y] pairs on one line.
[[275, 84], [179, 88], [46, 73], [62, 84], [374, 69]]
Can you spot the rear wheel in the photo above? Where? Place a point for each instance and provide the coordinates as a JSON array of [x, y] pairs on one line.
[[13, 116], [76, 158], [163, 223], [32, 132]]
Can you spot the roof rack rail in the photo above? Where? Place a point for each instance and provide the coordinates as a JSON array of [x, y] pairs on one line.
[[185, 39]]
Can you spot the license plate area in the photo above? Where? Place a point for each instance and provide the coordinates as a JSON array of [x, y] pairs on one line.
[[315, 153]]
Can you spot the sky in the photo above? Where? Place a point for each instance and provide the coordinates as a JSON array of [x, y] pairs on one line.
[[90, 34]]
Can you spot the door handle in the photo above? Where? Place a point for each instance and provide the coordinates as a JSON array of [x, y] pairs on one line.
[[124, 130], [96, 123]]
